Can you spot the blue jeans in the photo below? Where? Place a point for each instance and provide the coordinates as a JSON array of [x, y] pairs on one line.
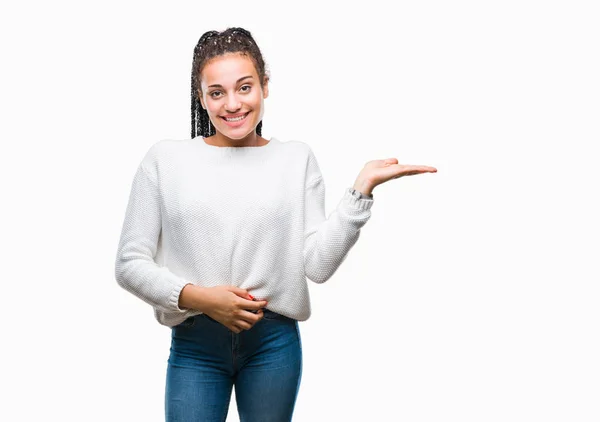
[[207, 359]]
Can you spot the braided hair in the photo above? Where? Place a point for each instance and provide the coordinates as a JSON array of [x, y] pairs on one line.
[[213, 44]]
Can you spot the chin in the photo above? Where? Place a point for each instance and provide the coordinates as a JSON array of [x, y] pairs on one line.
[[232, 134], [238, 133]]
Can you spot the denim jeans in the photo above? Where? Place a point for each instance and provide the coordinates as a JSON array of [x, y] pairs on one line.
[[207, 359]]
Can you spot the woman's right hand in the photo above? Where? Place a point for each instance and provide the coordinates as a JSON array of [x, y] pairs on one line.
[[229, 305]]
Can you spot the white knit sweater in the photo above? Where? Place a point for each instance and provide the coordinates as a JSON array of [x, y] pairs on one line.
[[251, 217]]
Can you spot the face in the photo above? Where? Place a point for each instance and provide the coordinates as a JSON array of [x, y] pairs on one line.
[[230, 87]]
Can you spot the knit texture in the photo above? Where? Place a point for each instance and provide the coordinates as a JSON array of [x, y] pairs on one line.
[[251, 217]]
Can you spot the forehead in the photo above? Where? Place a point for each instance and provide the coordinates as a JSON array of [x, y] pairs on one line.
[[227, 69]]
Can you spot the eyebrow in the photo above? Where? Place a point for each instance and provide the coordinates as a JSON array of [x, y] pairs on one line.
[[238, 81]]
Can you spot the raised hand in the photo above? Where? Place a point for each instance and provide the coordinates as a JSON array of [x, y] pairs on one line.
[[376, 172]]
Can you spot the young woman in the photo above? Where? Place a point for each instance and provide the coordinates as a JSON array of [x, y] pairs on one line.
[[220, 234]]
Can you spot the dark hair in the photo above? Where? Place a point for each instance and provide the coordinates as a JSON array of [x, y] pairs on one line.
[[213, 44]]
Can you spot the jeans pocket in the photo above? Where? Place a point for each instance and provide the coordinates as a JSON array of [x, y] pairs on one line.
[[189, 322], [267, 314]]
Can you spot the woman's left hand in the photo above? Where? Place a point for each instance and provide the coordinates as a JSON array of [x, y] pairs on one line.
[[376, 172]]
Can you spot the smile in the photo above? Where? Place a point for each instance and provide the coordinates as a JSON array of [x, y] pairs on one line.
[[235, 119]]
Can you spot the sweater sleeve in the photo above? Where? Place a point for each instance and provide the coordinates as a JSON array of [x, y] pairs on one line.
[[135, 268], [327, 241]]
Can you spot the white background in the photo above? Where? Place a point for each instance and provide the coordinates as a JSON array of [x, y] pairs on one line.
[[473, 293]]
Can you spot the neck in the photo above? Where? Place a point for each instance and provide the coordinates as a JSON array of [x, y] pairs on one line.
[[250, 140]]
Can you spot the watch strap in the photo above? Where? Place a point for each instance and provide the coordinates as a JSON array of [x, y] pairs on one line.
[[359, 195]]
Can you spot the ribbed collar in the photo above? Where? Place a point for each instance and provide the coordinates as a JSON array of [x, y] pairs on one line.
[[223, 152]]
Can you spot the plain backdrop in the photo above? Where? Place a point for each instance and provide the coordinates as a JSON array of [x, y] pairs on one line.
[[472, 294]]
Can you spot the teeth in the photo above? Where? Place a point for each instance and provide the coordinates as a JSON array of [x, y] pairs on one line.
[[236, 119]]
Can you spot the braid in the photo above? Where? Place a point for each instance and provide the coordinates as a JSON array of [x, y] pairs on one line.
[[213, 44]]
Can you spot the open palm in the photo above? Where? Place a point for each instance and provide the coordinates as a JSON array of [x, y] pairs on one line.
[[376, 172]]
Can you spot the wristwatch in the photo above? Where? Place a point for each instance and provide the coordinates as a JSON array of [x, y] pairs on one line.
[[359, 195]]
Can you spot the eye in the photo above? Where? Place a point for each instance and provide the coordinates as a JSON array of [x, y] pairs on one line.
[[212, 94], [247, 86]]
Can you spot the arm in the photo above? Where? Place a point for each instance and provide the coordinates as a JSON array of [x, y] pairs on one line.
[[327, 241], [135, 268]]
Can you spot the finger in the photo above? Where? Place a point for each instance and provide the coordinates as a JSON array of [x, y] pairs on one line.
[[409, 170], [242, 325], [413, 167], [250, 316], [420, 169], [251, 304], [414, 172], [257, 304], [239, 291], [410, 173], [246, 315], [255, 318], [260, 314]]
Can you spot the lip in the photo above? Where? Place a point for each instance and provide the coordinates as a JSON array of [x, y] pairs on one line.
[[236, 115], [236, 124]]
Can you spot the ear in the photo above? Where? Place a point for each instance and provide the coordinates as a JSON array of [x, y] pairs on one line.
[[266, 88], [201, 100]]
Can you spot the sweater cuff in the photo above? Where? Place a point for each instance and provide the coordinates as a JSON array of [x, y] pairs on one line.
[[356, 202], [174, 296]]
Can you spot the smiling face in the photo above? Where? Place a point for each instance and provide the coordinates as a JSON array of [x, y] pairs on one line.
[[230, 87]]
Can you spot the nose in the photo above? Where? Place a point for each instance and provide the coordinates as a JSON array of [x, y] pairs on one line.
[[232, 105]]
